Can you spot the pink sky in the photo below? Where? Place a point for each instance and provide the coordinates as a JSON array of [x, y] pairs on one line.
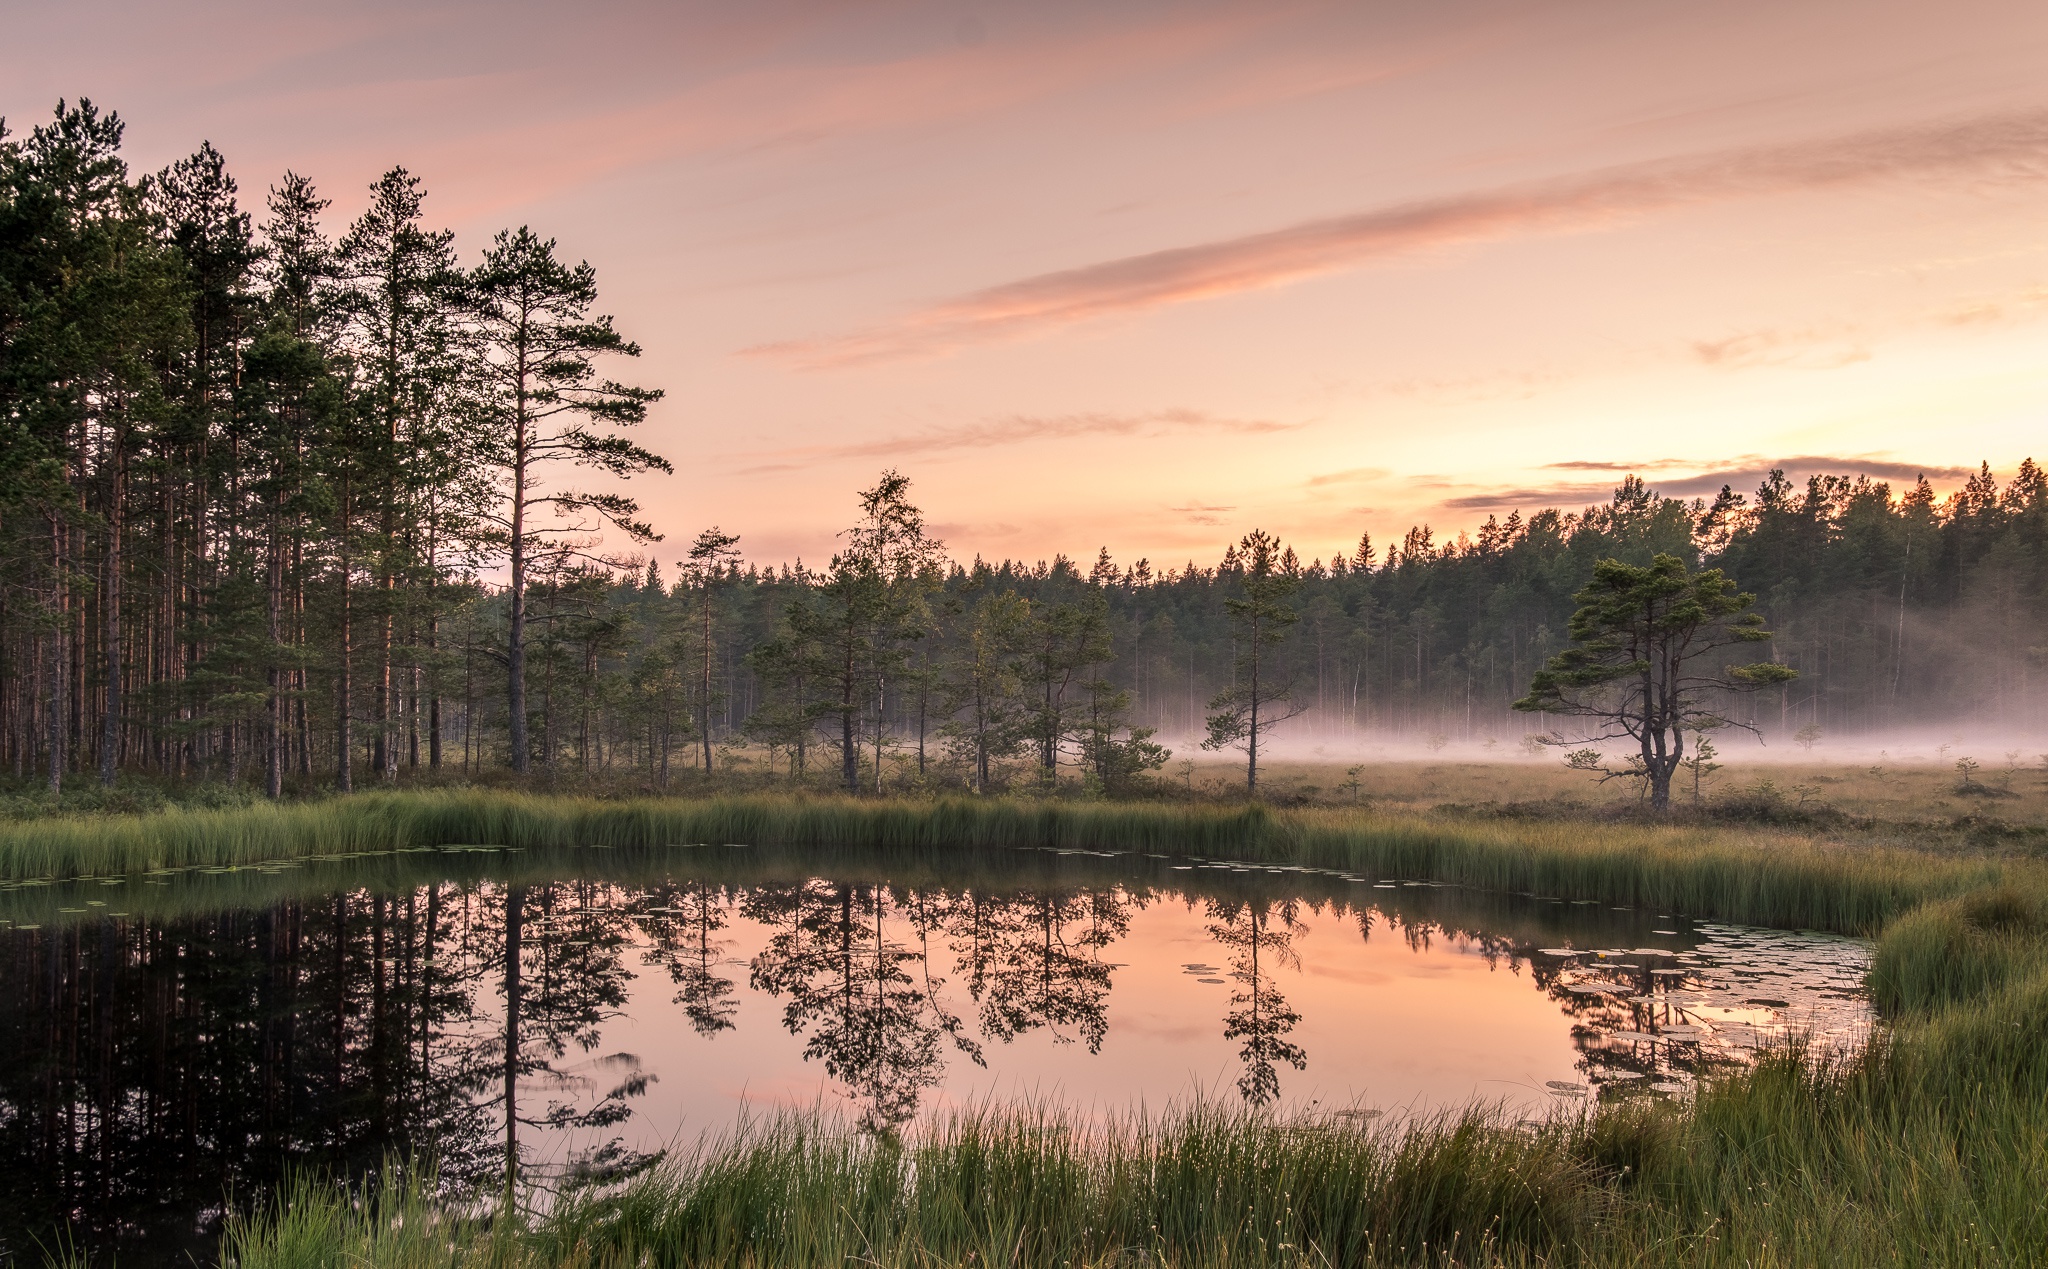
[[1150, 274]]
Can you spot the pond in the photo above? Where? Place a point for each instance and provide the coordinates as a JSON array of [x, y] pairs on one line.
[[175, 1037]]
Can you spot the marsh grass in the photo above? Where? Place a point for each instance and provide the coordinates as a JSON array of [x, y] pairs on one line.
[[1927, 1146], [1208, 1185], [1763, 878]]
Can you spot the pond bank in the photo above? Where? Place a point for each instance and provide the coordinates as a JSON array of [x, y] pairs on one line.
[[1929, 1146], [1771, 878]]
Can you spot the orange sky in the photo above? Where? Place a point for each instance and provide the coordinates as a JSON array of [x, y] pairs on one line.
[[1148, 274]]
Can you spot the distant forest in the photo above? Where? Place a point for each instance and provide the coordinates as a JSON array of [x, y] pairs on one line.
[[253, 482]]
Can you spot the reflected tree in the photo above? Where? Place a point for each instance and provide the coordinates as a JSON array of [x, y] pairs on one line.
[[561, 977], [683, 925], [1034, 960], [154, 1065], [1260, 935], [849, 992]]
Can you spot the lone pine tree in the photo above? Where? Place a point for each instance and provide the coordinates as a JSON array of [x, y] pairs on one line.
[[1645, 663], [1260, 696]]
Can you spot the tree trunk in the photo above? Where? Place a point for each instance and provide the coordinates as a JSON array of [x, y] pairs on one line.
[[515, 651], [515, 901], [704, 697], [434, 687], [110, 650], [58, 636], [344, 733]]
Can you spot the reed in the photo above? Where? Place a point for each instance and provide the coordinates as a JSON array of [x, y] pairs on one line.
[[1770, 879], [1927, 1146]]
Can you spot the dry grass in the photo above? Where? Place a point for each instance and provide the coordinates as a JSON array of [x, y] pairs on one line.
[[1893, 792]]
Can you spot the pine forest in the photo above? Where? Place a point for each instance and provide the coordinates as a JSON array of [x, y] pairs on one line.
[[294, 508]]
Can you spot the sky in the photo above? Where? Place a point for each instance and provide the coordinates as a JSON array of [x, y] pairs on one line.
[[1147, 274]]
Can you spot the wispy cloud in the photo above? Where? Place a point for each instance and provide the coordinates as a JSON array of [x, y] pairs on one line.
[[1742, 474], [1019, 428], [1655, 464], [1349, 476], [1202, 513], [1813, 349], [2004, 147]]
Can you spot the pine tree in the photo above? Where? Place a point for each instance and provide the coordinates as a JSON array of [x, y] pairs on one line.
[[541, 402], [1631, 671], [710, 555], [1261, 697], [398, 289]]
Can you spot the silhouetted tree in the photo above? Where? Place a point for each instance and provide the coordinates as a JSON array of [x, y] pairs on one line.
[[1646, 663], [1261, 696], [540, 401]]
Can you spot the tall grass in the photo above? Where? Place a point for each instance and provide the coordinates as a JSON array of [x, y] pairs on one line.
[[1778, 879], [1207, 1186], [1928, 1146], [1925, 1149]]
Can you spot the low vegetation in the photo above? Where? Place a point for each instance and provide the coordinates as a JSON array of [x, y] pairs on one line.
[[1767, 878], [1929, 1145]]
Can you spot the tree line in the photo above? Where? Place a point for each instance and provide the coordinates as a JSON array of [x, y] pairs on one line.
[[247, 470], [290, 510]]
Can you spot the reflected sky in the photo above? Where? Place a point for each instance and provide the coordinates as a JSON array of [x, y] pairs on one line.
[[569, 1014]]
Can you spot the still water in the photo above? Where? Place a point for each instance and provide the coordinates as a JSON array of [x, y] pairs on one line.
[[168, 1039]]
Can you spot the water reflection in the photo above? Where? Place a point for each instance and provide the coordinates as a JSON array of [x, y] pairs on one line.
[[848, 988], [1033, 959], [153, 1066], [194, 1035], [1259, 935], [683, 924]]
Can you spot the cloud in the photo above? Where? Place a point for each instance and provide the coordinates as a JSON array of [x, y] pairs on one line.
[[1018, 428], [1811, 349], [1538, 496], [2017, 306], [1655, 464], [2007, 146], [1353, 475], [1202, 513], [1742, 474]]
